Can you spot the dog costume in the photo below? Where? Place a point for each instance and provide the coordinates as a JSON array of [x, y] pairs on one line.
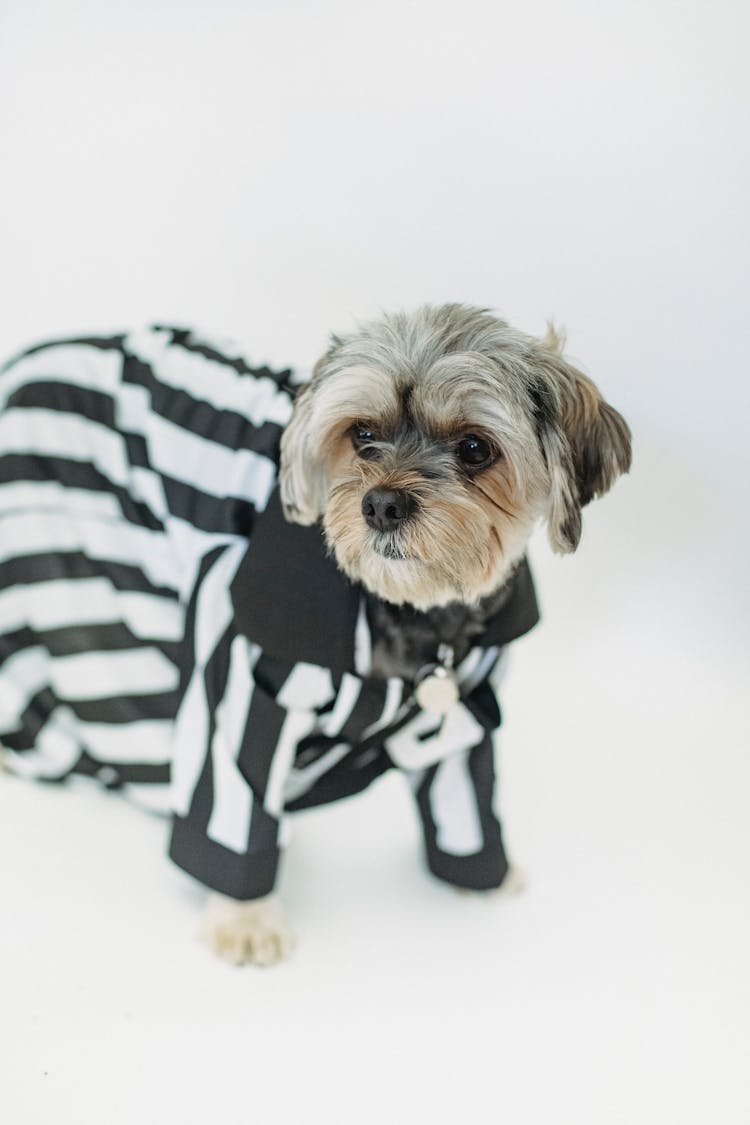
[[164, 629]]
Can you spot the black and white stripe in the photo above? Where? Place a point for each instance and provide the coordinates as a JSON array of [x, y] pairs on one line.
[[133, 469], [115, 479]]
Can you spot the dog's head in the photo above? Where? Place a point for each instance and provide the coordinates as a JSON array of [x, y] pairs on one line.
[[431, 443]]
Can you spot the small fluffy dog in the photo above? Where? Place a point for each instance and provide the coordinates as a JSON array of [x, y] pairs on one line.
[[233, 593]]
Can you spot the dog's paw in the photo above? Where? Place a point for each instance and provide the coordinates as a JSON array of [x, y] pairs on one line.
[[243, 933], [513, 884]]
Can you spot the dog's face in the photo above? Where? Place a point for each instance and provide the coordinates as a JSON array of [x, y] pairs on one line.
[[432, 443]]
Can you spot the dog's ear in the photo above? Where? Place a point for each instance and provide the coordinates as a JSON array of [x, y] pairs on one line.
[[303, 483], [302, 478], [585, 442]]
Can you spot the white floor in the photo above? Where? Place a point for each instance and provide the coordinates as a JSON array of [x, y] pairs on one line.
[[615, 989]]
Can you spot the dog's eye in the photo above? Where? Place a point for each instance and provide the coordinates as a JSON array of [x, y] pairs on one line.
[[474, 451], [364, 435]]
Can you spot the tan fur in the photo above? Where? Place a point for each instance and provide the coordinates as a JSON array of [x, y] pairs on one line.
[[253, 932]]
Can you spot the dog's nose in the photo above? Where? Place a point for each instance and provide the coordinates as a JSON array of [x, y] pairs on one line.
[[385, 508]]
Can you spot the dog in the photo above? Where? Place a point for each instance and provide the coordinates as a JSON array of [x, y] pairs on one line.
[[231, 592]]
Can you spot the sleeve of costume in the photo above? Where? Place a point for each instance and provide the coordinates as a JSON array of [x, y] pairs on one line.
[[462, 835], [241, 717], [455, 796]]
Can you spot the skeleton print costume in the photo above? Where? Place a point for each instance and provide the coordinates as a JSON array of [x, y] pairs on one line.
[[164, 630]]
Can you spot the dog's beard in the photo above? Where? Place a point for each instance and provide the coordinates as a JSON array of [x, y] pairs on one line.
[[457, 547]]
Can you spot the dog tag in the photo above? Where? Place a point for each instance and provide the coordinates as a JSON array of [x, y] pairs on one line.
[[438, 691], [436, 688]]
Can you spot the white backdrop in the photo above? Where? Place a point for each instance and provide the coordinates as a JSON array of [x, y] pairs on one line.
[[274, 170]]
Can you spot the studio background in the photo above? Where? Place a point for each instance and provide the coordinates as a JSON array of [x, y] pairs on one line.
[[273, 171]]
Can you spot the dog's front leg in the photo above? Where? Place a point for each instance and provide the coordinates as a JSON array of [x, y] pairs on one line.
[[253, 932], [462, 834]]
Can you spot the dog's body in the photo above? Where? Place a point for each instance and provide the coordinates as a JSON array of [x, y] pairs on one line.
[[166, 628]]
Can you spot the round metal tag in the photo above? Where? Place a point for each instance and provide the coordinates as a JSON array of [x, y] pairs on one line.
[[437, 690]]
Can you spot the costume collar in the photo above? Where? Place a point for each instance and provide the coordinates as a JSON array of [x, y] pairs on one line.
[[291, 599], [290, 596]]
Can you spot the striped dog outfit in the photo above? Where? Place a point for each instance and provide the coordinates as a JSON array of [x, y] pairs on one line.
[[164, 630]]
